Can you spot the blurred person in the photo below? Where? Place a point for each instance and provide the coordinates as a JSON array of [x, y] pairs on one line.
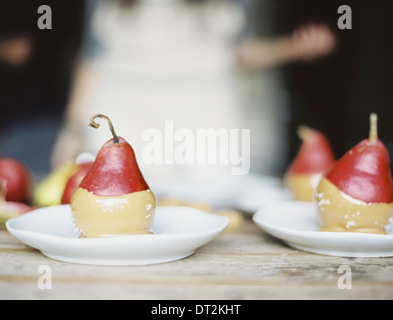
[[266, 95], [35, 70], [155, 60]]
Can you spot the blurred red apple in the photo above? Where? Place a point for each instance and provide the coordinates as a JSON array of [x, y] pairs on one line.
[[11, 209], [16, 180], [74, 181]]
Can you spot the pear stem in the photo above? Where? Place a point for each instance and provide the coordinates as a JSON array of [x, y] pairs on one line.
[[373, 136], [303, 132], [97, 125]]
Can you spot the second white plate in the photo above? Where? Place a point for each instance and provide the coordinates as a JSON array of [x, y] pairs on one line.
[[296, 223], [178, 232]]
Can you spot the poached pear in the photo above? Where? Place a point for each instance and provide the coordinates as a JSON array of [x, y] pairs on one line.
[[11, 209], [313, 159], [16, 180], [356, 194], [113, 198]]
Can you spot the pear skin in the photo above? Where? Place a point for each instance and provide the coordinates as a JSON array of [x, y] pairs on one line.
[[313, 159], [356, 194], [113, 198]]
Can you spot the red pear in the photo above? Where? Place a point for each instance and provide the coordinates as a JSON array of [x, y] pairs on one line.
[[115, 171], [74, 181], [313, 159], [315, 154], [16, 180], [356, 194], [113, 198], [11, 209], [364, 172]]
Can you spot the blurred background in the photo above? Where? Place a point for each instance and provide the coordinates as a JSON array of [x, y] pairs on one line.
[[36, 70], [264, 65]]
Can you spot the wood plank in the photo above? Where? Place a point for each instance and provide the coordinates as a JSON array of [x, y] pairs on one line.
[[247, 264]]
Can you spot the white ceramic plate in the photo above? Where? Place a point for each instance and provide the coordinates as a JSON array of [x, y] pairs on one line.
[[178, 232], [296, 223]]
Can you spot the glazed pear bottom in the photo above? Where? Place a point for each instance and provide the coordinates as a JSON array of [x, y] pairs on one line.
[[103, 216], [340, 212]]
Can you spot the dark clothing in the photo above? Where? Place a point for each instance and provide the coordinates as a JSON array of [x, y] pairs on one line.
[[33, 95], [336, 94]]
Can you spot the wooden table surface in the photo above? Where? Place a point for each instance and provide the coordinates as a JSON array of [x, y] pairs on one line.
[[242, 264]]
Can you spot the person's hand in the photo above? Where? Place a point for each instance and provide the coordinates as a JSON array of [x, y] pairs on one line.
[[312, 41], [15, 51], [304, 44]]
